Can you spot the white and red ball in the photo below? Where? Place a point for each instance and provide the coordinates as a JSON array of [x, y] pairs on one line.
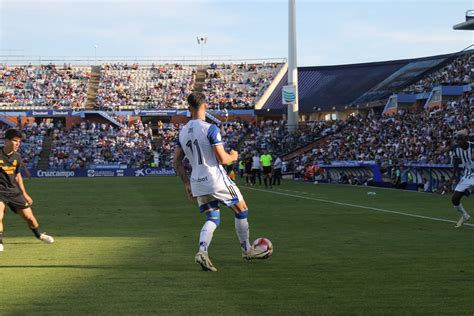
[[264, 246]]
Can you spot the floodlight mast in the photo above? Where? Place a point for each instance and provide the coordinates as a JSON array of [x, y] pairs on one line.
[[202, 40], [293, 116], [95, 54]]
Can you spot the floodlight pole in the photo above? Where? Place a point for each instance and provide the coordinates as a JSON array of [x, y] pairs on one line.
[[95, 54], [202, 55], [293, 116], [201, 41]]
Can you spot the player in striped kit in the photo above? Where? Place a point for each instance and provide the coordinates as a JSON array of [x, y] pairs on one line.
[[463, 154], [201, 143]]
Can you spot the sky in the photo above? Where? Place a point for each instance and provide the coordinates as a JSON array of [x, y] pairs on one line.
[[329, 32]]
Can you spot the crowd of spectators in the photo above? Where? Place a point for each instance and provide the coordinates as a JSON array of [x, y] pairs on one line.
[[91, 143], [395, 143], [32, 142], [422, 137], [167, 134], [238, 86], [459, 72], [274, 135], [47, 86], [392, 141], [232, 135], [122, 86]]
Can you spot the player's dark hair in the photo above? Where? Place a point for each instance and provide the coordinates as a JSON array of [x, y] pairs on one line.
[[12, 133], [195, 99]]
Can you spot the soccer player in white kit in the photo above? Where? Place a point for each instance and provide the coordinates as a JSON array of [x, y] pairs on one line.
[[463, 154], [201, 143]]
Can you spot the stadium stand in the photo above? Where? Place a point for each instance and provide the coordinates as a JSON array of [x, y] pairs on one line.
[[405, 138], [274, 136], [238, 86], [91, 143], [458, 72], [133, 146], [232, 134], [129, 87], [409, 134], [43, 87], [166, 140], [32, 144]]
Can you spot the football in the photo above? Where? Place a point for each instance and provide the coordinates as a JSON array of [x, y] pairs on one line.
[[264, 247]]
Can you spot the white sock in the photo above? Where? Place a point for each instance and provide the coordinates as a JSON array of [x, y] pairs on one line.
[[461, 210], [242, 230], [205, 237]]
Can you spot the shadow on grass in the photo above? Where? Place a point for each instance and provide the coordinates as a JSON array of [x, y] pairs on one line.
[[69, 266], [24, 243]]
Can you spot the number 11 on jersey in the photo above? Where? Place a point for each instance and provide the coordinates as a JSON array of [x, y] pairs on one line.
[[198, 150]]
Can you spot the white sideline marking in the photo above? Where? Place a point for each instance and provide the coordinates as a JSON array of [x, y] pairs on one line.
[[358, 206]]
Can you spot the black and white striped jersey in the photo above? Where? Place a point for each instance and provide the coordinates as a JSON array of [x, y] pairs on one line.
[[465, 157]]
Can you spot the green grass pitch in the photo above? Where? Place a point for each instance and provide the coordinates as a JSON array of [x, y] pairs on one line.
[[126, 246]]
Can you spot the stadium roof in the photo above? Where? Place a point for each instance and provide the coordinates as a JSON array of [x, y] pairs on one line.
[[329, 88], [469, 24]]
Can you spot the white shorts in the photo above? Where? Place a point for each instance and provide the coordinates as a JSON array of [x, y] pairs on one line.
[[465, 183], [229, 195]]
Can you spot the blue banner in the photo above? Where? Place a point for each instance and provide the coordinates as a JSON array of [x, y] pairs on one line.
[[97, 173], [137, 112], [49, 113], [427, 165], [349, 163], [108, 166], [452, 90], [156, 112]]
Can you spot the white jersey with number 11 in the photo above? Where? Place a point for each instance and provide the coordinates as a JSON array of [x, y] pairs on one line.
[[197, 139]]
